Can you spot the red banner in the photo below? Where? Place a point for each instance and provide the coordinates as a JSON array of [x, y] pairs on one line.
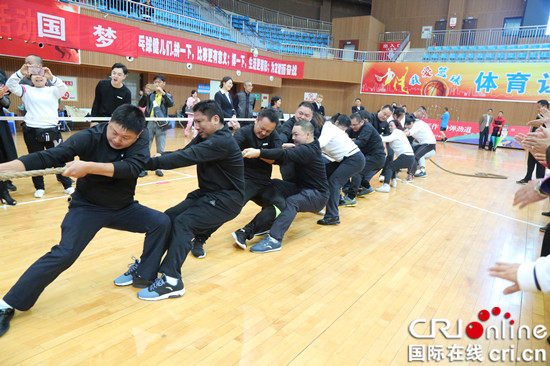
[[490, 81], [19, 48], [164, 47], [390, 47], [58, 24], [468, 132]]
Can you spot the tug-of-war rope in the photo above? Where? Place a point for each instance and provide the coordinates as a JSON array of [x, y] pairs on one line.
[[31, 173]]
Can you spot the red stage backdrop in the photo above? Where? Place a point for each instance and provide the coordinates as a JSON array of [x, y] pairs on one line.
[[58, 24]]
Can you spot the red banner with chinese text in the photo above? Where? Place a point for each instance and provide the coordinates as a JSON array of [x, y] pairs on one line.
[[165, 47], [58, 24], [389, 47], [490, 81], [55, 23]]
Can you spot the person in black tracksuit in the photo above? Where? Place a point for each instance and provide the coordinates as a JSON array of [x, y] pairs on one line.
[[380, 122], [257, 172], [111, 157], [219, 198], [368, 140], [308, 193], [303, 113]]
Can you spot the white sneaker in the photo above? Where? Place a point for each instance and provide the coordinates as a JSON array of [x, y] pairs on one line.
[[384, 189], [39, 193], [417, 172], [393, 183], [69, 191], [320, 213], [381, 178]]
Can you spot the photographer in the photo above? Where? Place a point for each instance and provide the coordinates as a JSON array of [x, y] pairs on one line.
[[40, 129], [157, 104]]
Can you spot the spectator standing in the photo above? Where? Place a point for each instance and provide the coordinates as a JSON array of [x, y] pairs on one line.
[[188, 110], [157, 104]]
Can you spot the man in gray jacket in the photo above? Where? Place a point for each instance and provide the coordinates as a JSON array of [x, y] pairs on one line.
[[245, 103]]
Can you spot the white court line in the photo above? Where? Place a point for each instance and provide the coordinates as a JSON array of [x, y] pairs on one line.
[[471, 206], [187, 176]]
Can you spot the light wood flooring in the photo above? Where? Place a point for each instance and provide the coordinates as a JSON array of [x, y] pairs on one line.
[[337, 295]]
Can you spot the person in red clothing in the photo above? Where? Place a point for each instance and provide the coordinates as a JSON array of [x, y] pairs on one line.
[[497, 125]]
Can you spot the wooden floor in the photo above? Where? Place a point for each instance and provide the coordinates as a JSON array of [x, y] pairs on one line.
[[337, 295]]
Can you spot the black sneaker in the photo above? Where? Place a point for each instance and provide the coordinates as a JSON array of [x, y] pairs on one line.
[[142, 174], [240, 238], [522, 181], [161, 289], [546, 214], [11, 187], [159, 173], [5, 317], [198, 250], [329, 221]]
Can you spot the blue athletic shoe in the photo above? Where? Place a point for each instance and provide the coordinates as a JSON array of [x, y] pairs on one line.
[[127, 278], [161, 289], [266, 245]]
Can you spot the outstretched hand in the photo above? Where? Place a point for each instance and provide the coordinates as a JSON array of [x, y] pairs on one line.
[[527, 195], [506, 271]]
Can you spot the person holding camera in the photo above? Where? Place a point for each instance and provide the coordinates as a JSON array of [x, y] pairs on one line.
[[40, 129], [157, 104]]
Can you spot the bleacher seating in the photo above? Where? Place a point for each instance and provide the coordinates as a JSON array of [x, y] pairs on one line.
[[177, 14], [185, 15], [275, 33], [493, 53]]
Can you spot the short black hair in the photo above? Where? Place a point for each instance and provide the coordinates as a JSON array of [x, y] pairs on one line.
[[193, 91], [365, 116], [490, 109], [423, 108], [275, 99], [356, 116], [359, 99], [130, 117], [334, 117], [543, 102], [344, 120], [305, 125], [446, 108], [270, 114], [119, 65], [307, 105], [388, 106], [210, 109], [399, 112], [161, 77]]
